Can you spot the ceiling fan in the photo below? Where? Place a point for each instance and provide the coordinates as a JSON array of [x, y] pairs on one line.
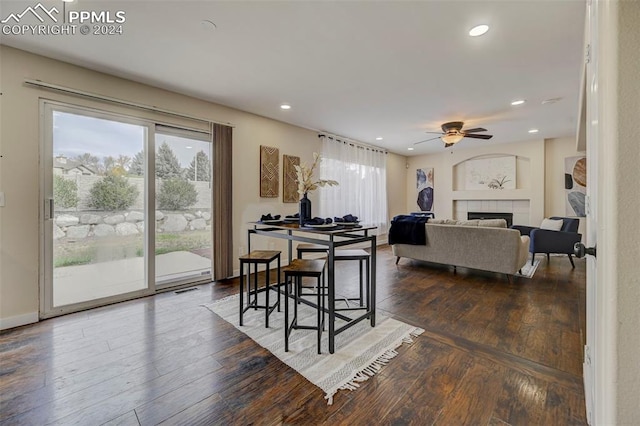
[[452, 133]]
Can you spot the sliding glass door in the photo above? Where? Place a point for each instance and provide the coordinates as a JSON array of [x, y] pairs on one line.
[[183, 206], [101, 174]]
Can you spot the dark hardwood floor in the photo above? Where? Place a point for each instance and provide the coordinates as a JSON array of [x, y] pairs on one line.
[[493, 353]]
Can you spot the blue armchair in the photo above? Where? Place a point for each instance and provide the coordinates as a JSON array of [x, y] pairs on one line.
[[548, 241]]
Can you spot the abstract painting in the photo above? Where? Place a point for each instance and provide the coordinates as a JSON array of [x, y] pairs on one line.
[[424, 188], [290, 179], [575, 185], [491, 173], [269, 171]]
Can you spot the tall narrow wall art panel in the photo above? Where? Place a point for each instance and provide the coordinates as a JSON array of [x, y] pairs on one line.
[[575, 185], [289, 179], [424, 188], [269, 171]]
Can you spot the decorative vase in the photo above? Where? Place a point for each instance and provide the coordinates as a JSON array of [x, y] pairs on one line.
[[305, 209]]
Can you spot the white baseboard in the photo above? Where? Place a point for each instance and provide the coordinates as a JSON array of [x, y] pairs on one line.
[[19, 320]]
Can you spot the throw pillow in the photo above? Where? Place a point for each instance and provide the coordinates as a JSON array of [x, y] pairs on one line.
[[552, 224]]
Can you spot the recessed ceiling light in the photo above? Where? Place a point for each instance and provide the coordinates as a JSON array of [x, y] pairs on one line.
[[379, 138], [478, 30], [68, 1], [285, 106], [518, 102], [188, 147], [533, 131], [409, 149], [207, 25]]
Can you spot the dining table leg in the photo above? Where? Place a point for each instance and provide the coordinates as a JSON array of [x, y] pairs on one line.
[[331, 297], [373, 281]]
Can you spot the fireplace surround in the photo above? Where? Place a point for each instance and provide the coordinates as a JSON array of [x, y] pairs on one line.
[[491, 215]]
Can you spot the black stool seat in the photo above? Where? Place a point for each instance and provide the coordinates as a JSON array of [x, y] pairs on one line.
[[297, 269], [256, 258]]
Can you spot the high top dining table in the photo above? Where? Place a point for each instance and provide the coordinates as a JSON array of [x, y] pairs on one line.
[[332, 238]]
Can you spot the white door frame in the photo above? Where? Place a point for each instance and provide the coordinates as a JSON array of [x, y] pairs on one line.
[[602, 145]]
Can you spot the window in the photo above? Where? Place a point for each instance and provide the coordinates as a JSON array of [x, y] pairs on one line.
[[362, 177]]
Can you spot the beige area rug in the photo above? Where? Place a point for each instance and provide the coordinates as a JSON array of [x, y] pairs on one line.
[[528, 270], [360, 351]]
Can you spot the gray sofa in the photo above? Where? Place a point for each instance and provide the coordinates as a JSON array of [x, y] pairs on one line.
[[479, 244]]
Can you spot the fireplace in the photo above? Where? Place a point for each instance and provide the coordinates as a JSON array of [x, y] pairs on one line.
[[491, 215]]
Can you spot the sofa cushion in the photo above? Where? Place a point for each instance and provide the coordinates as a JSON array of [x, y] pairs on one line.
[[552, 224], [493, 223]]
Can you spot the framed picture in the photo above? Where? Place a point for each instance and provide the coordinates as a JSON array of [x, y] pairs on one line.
[[575, 185], [424, 189], [491, 173], [269, 171], [290, 179]]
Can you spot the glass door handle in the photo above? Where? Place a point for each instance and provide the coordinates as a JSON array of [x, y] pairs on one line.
[[48, 209], [580, 250]]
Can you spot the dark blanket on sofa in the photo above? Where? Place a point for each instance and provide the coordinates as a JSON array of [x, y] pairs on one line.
[[407, 229]]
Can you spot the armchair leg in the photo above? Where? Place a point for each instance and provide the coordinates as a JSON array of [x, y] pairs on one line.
[[571, 260], [533, 257], [547, 257], [397, 259]]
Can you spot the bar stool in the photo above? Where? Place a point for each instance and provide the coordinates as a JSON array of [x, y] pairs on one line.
[[355, 254], [363, 257], [296, 270], [256, 258]]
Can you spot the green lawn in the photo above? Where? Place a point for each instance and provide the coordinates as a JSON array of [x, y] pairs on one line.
[[94, 250]]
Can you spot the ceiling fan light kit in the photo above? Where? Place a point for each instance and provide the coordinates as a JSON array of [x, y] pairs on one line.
[[451, 138], [452, 133]]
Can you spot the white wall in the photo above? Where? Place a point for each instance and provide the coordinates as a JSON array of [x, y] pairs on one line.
[[19, 165], [445, 176], [627, 253]]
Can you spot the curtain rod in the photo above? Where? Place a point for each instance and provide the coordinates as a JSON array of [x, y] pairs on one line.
[[89, 95], [352, 143]]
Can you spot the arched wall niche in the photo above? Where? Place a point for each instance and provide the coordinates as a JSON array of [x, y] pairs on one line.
[[523, 171]]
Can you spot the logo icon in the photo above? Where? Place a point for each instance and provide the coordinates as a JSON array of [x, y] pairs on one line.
[[34, 11]]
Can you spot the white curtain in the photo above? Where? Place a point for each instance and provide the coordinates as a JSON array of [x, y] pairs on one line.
[[362, 176]]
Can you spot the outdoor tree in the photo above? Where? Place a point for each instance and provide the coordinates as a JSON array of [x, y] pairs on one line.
[[112, 192], [177, 194], [137, 164], [89, 160], [65, 192], [167, 164], [199, 169]]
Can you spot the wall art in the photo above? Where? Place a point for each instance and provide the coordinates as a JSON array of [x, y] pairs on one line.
[[269, 171], [289, 179], [575, 185]]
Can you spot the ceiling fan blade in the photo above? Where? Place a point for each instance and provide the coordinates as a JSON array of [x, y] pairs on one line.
[[474, 130], [427, 140], [474, 136]]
